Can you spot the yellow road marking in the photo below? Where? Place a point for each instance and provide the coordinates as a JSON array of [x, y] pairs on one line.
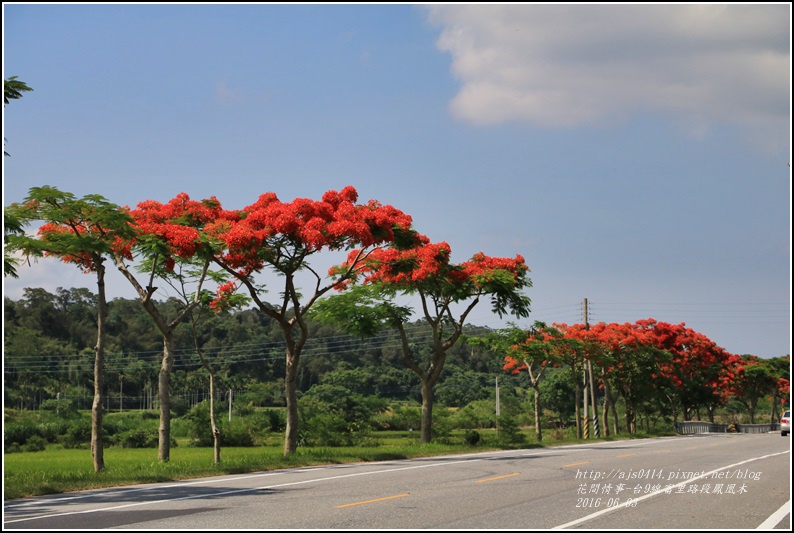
[[373, 501], [576, 464], [628, 455], [664, 451], [494, 478]]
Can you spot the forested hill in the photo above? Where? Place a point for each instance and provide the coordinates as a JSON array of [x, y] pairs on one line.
[[49, 344]]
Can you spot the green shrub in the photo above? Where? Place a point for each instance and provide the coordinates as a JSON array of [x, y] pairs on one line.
[[13, 448], [442, 425], [324, 429], [241, 432], [509, 432], [34, 444], [402, 418], [112, 426], [277, 420], [476, 415], [78, 435], [264, 420], [18, 433], [139, 438], [62, 407], [472, 437], [331, 415], [179, 407], [197, 424], [52, 430], [234, 435]]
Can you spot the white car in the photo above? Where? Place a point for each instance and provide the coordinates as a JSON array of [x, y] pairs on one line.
[[785, 423]]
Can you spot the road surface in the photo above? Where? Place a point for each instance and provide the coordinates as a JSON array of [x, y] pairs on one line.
[[720, 481]]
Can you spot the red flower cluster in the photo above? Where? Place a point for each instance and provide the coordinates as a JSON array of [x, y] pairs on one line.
[[399, 267], [481, 268], [335, 222], [51, 231], [695, 357], [179, 222], [222, 301], [429, 262]]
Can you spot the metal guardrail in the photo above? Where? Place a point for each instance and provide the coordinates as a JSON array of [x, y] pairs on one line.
[[693, 427], [757, 428]]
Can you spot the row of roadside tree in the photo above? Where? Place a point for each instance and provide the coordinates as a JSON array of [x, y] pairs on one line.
[[245, 253], [650, 365], [352, 384], [195, 246]]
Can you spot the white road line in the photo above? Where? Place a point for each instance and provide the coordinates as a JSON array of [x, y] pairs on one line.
[[775, 518], [518, 453], [652, 494], [103, 492], [219, 479], [235, 491]]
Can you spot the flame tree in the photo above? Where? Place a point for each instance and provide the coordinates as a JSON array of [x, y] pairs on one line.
[[166, 235], [447, 293], [755, 378], [83, 232], [780, 395], [536, 349], [271, 236], [570, 352], [668, 363], [701, 371], [531, 350]]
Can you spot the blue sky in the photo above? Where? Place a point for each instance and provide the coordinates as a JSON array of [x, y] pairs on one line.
[[637, 156]]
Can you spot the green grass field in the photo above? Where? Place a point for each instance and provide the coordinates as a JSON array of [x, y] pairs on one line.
[[57, 470]]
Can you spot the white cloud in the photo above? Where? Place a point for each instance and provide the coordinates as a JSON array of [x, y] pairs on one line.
[[225, 96], [567, 65]]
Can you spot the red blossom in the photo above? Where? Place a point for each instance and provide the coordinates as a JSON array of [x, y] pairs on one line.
[[222, 301]]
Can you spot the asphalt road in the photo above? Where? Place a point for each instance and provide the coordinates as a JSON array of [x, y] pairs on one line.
[[726, 481]]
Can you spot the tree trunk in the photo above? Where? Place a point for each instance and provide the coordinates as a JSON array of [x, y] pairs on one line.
[[773, 416], [216, 442], [596, 428], [578, 410], [291, 394], [97, 448], [614, 408], [605, 416], [538, 431], [630, 418], [216, 434], [674, 409], [751, 411], [164, 391], [427, 411], [608, 401]]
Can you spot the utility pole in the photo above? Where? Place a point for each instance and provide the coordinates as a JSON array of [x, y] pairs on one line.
[[589, 366], [585, 395], [497, 397]]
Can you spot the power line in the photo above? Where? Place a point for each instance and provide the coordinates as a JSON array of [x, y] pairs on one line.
[[341, 344], [247, 353]]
